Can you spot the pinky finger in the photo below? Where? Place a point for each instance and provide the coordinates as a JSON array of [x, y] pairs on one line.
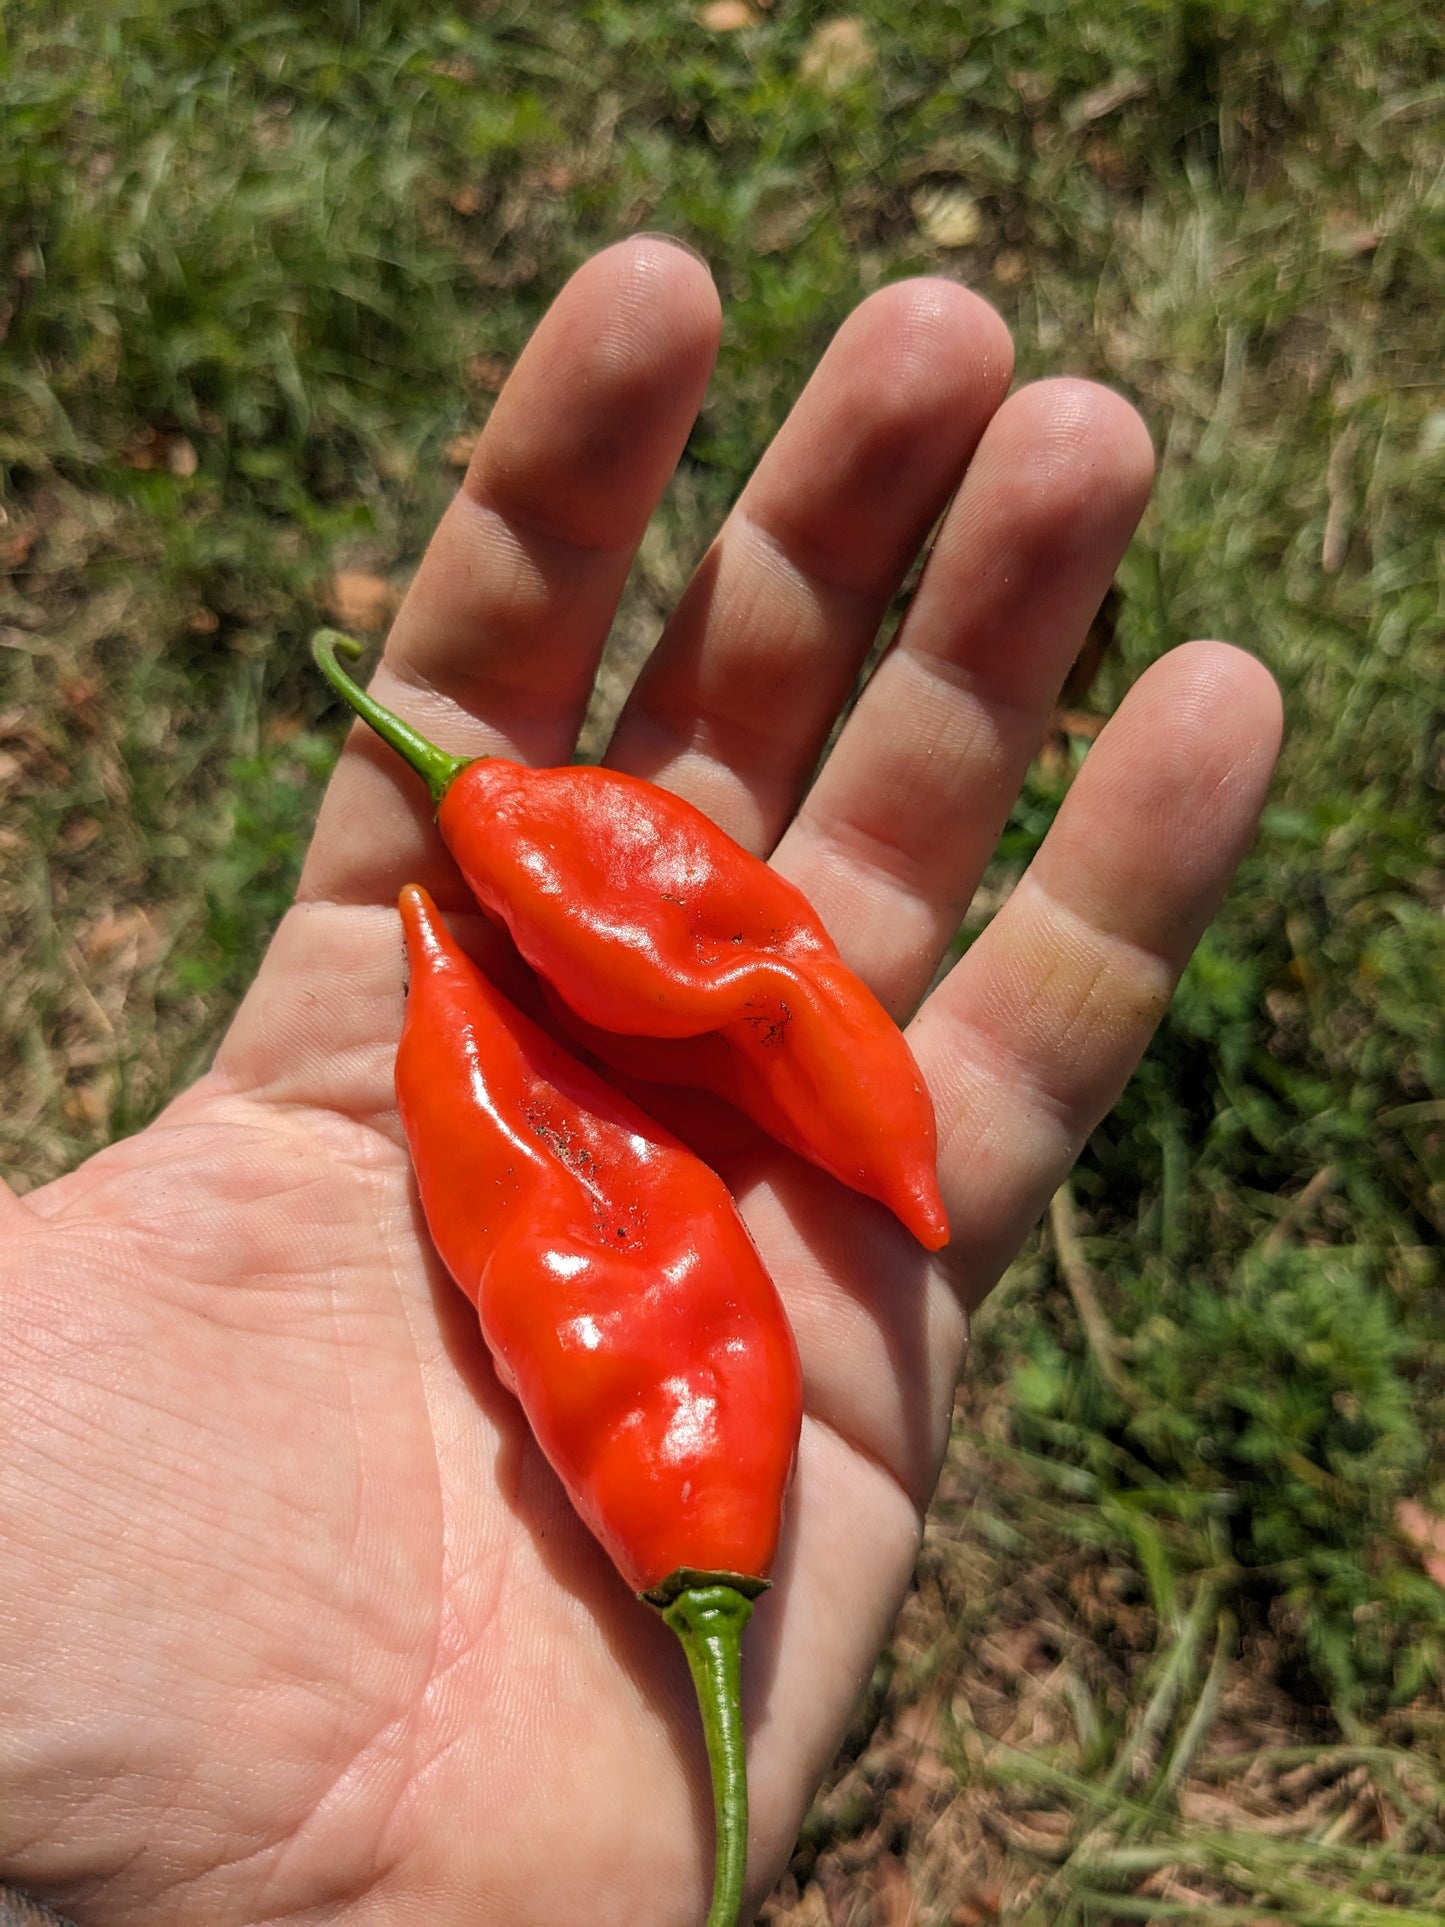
[[1034, 1033]]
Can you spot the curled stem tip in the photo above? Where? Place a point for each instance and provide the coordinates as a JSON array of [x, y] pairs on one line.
[[709, 1620], [436, 768]]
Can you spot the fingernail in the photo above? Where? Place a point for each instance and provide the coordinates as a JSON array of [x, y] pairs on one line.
[[673, 241]]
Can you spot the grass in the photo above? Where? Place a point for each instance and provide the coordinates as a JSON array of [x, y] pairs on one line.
[[1170, 1656]]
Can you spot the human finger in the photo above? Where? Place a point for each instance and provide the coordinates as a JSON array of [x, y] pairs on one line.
[[496, 646], [895, 833], [737, 699], [1025, 1046], [1033, 1034]]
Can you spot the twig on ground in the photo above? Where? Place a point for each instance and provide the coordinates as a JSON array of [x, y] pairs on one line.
[[1078, 1278]]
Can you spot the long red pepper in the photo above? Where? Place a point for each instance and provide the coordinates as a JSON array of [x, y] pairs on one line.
[[626, 1307], [679, 956]]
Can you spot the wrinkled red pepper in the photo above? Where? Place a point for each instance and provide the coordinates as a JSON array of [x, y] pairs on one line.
[[626, 1307], [676, 955]]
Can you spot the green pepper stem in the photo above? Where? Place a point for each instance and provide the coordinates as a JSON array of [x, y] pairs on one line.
[[433, 765], [709, 1620]]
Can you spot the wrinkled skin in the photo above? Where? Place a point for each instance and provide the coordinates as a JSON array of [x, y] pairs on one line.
[[296, 1624]]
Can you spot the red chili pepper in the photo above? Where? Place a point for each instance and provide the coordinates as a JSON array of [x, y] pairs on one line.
[[681, 957], [627, 1308]]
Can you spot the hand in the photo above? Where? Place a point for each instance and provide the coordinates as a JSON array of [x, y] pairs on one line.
[[297, 1624]]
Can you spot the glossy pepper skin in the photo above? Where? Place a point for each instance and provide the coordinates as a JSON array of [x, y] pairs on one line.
[[676, 955], [626, 1307], [621, 1296]]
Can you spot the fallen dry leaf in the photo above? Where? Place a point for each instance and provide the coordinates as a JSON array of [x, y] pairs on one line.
[[1108, 99], [1042, 1832], [78, 835], [1067, 719], [1033, 89], [1106, 163], [1345, 234], [130, 930], [15, 547], [458, 451], [812, 1908], [143, 450], [78, 693], [838, 53], [159, 448], [1010, 267], [488, 372], [979, 1907], [361, 601], [947, 217], [894, 1892], [727, 16], [1426, 1532], [86, 1105]]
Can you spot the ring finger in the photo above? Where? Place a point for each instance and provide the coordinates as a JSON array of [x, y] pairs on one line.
[[894, 835], [737, 700]]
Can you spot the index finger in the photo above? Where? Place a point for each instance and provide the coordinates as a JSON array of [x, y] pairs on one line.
[[496, 646]]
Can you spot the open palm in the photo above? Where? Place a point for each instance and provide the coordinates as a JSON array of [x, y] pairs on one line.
[[297, 1625]]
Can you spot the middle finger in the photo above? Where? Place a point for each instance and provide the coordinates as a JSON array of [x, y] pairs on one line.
[[737, 700], [898, 827]]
